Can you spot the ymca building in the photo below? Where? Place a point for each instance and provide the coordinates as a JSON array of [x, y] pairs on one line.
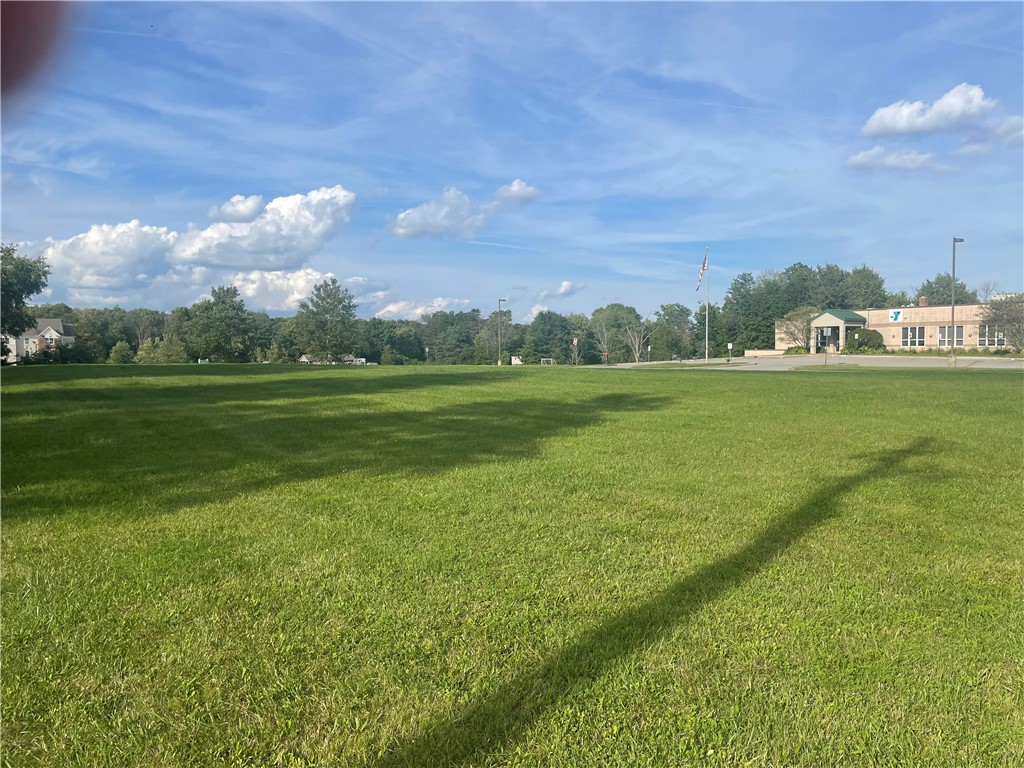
[[913, 329]]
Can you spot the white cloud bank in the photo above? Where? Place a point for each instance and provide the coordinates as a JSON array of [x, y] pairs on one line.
[[410, 310], [110, 256], [902, 160], [953, 111], [277, 290], [282, 236], [454, 214], [113, 262]]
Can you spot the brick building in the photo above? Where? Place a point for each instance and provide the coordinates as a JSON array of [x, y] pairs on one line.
[[913, 329]]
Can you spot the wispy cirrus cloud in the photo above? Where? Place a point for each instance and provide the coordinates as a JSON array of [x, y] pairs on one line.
[[900, 160]]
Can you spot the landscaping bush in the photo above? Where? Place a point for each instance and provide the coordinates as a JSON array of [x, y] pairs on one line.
[[796, 351], [865, 342]]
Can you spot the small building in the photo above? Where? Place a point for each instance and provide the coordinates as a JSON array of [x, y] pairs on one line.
[[48, 333], [913, 329]]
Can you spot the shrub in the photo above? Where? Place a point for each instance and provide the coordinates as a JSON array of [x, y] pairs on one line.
[[849, 350], [796, 351], [864, 342], [121, 353]]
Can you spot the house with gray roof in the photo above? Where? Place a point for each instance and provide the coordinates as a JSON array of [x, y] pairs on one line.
[[48, 333]]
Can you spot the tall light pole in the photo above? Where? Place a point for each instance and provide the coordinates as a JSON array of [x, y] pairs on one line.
[[500, 301], [951, 336]]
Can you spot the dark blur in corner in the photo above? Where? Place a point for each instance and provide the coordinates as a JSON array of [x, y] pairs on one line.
[[30, 35]]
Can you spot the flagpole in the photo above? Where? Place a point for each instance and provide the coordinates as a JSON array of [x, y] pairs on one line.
[[707, 303]]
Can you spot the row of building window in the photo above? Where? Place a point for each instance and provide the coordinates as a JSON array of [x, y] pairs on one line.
[[988, 336]]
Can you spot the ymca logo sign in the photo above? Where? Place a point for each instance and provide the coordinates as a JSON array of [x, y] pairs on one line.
[[895, 315]]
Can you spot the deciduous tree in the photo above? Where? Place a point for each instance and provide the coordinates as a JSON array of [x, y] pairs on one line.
[[1007, 313], [939, 291], [21, 278], [326, 321], [795, 327], [219, 328], [549, 335]]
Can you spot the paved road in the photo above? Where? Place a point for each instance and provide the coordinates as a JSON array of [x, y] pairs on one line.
[[790, 362]]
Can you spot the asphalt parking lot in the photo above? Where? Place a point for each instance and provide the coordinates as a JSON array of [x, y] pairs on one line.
[[790, 362]]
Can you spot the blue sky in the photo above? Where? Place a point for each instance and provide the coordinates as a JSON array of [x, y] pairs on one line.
[[563, 156]]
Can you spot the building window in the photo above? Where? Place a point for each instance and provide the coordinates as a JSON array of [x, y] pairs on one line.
[[49, 343], [990, 336], [913, 336], [944, 336]]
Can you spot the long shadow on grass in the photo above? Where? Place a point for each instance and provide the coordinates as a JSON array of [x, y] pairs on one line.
[[213, 384], [500, 718], [153, 457]]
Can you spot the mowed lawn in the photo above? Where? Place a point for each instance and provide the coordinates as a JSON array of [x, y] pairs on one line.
[[262, 566]]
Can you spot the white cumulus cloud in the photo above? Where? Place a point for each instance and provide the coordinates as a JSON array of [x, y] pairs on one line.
[[282, 236], [535, 310], [902, 160], [455, 215], [277, 290], [954, 110], [410, 310], [133, 262], [565, 289], [238, 208], [516, 193], [109, 256]]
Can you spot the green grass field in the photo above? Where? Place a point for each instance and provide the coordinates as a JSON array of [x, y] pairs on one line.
[[266, 566]]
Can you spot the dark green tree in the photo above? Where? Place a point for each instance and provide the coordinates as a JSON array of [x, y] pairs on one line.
[[831, 291], [121, 353], [59, 310], [939, 291], [144, 325], [717, 340], [671, 333], [898, 299], [865, 289], [219, 328], [549, 335], [584, 351], [98, 330], [485, 345], [609, 324], [20, 279], [285, 346], [451, 336], [1007, 313], [326, 321]]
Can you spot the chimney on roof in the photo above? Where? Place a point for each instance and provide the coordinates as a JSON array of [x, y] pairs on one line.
[[922, 301]]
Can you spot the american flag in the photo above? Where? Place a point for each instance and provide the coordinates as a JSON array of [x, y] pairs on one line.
[[703, 269]]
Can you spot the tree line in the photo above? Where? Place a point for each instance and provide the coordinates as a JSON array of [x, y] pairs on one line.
[[325, 327]]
